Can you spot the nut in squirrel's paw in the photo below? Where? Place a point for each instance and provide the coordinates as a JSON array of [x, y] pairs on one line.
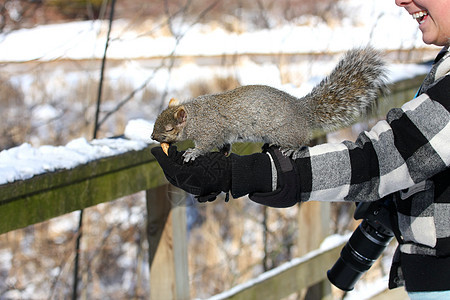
[[165, 147]]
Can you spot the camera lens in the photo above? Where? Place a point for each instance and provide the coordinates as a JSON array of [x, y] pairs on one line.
[[363, 248]]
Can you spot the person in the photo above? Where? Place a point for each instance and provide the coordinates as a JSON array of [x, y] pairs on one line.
[[407, 155]]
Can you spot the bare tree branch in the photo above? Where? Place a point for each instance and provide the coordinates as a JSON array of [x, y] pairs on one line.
[[178, 37]]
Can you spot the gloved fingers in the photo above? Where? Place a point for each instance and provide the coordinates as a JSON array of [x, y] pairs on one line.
[[208, 174], [211, 197], [168, 163], [157, 151], [207, 198], [173, 153]]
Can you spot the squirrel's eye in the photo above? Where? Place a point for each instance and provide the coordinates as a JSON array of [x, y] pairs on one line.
[[169, 128]]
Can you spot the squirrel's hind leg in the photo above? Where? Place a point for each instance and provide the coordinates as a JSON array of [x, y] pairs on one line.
[[225, 149], [290, 152], [287, 151]]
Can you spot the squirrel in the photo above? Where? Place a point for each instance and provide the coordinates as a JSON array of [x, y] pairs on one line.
[[259, 113]]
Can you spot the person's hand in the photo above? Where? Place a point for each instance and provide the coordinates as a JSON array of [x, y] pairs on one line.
[[205, 177], [287, 192]]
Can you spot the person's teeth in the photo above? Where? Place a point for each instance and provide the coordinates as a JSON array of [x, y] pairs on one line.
[[419, 14]]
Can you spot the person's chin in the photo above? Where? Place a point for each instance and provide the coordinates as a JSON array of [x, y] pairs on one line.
[[430, 39]]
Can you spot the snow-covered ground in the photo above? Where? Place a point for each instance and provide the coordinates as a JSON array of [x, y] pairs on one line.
[[378, 23]]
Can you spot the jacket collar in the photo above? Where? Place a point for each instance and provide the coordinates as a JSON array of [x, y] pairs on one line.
[[441, 54]]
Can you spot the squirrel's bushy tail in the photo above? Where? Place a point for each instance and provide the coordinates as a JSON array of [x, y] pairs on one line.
[[350, 90]]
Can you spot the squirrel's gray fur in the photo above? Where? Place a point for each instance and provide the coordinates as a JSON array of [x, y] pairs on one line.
[[259, 113]]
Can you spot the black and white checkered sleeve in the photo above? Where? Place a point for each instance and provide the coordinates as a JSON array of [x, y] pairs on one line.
[[411, 145]]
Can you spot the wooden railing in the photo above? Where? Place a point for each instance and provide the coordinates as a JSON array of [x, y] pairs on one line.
[[291, 277], [299, 275], [49, 195]]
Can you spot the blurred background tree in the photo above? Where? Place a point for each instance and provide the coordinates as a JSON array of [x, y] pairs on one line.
[[79, 9]]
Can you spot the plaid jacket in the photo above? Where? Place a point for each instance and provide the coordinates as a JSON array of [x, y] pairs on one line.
[[407, 154]]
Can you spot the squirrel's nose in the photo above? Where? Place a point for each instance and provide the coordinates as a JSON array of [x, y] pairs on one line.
[[155, 137]]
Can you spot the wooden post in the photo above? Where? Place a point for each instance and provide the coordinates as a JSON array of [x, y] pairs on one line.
[[314, 227], [167, 238]]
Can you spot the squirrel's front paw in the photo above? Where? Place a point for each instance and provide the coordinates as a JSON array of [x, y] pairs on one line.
[[191, 154]]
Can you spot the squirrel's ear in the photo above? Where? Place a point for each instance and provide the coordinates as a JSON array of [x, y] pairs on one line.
[[181, 115], [173, 102]]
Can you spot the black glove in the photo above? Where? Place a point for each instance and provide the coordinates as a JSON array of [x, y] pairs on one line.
[[205, 177], [287, 192]]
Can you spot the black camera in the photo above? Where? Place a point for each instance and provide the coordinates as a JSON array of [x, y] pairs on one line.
[[365, 245]]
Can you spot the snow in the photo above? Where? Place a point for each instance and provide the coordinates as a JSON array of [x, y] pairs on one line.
[[25, 161], [378, 23], [139, 130], [45, 112], [334, 240], [74, 40]]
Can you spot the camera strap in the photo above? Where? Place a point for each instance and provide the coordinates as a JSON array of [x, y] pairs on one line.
[[394, 219]]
